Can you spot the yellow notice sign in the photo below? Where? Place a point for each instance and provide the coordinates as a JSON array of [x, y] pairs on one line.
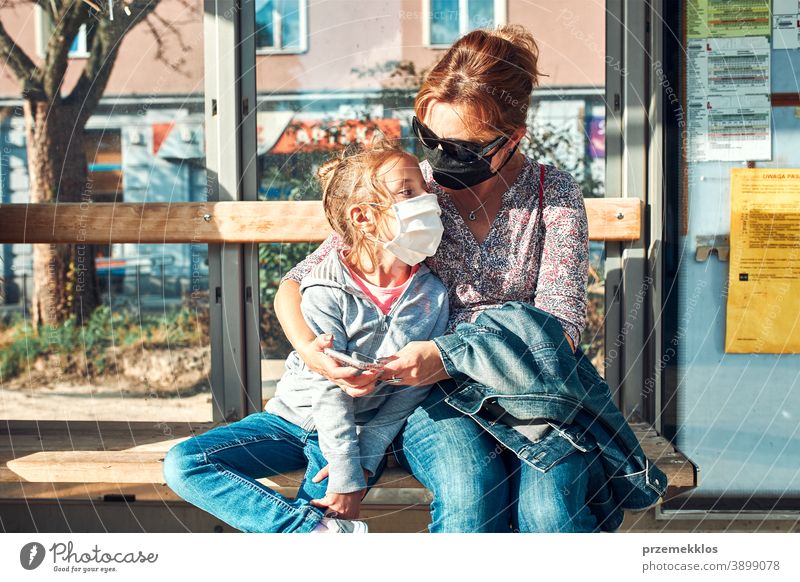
[[764, 278]]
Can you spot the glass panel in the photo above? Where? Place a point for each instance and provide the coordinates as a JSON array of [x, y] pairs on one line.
[[122, 328], [265, 29], [355, 79], [290, 23], [736, 413], [271, 12], [444, 21], [481, 13], [79, 42]]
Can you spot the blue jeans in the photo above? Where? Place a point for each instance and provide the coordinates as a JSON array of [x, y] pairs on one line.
[[217, 472], [480, 486]]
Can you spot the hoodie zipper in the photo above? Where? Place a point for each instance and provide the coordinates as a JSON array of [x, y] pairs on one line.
[[384, 325], [356, 291]]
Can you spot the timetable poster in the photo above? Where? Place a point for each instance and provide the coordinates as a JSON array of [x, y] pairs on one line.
[[728, 99], [727, 18], [763, 314]]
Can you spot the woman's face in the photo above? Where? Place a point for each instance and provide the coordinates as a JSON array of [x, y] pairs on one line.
[[452, 121], [448, 120]]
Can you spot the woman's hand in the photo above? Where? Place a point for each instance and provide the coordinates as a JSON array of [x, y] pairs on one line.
[[569, 341], [417, 364], [346, 505], [352, 380]]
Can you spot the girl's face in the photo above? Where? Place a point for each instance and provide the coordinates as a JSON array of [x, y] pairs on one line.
[[403, 179]]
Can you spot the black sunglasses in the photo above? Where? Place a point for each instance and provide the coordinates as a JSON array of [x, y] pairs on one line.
[[461, 150]]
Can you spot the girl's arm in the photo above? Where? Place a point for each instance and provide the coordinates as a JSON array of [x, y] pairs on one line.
[[301, 336], [333, 410]]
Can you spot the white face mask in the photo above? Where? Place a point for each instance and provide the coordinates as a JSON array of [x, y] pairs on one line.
[[419, 229]]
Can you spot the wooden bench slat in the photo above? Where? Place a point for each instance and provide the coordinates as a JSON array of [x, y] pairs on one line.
[[133, 452], [141, 467], [230, 222]]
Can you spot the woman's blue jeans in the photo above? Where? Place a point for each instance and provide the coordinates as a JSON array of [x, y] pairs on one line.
[[217, 472], [480, 486]]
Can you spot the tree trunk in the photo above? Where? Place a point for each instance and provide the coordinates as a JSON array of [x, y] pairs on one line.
[[64, 276]]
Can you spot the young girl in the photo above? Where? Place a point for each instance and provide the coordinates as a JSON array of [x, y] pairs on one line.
[[373, 297]]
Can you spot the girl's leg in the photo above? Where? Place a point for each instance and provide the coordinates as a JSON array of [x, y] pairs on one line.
[[315, 462], [217, 472], [459, 463], [554, 501]]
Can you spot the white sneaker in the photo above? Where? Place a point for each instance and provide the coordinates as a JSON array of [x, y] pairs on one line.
[[332, 525]]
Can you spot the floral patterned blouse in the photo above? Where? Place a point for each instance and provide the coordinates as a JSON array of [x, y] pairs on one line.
[[520, 259]]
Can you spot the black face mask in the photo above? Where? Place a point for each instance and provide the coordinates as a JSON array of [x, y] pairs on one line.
[[457, 175]]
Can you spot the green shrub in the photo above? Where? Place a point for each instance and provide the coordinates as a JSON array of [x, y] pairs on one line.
[[105, 328]]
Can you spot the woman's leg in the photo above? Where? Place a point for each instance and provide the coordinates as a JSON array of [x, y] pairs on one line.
[[554, 501], [459, 463], [217, 472]]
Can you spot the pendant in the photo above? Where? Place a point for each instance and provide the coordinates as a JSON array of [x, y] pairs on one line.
[[472, 215]]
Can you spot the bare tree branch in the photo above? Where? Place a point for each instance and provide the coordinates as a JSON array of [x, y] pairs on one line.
[[155, 19], [106, 41], [15, 58], [161, 45], [56, 55]]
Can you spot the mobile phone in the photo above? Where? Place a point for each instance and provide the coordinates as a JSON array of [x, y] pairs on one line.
[[355, 360]]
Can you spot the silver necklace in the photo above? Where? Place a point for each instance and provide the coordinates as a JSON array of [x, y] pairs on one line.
[[472, 216]]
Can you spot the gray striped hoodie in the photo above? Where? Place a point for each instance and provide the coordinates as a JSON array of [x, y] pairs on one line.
[[354, 433]]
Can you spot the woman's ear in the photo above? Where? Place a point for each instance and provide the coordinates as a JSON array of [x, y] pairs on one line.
[[517, 136], [507, 150]]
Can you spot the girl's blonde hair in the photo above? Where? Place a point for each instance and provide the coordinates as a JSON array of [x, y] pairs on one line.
[[351, 178]]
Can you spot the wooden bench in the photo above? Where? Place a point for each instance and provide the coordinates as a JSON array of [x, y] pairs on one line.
[[86, 459]]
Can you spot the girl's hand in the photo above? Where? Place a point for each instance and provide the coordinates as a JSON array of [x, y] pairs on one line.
[[417, 364], [352, 380], [346, 505], [340, 505], [324, 472]]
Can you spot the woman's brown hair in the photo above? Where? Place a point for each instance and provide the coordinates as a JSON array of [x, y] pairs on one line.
[[492, 72], [351, 178]]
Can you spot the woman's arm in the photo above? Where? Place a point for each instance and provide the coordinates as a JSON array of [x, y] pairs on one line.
[[564, 269], [419, 363], [287, 308]]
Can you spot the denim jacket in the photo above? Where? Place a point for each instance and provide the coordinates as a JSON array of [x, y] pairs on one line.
[[517, 357]]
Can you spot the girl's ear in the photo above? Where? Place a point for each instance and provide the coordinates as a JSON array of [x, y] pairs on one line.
[[362, 218]]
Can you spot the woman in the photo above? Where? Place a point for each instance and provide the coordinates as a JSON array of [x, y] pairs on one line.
[[515, 230]]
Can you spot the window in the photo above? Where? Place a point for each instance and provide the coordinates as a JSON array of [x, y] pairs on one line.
[[80, 46], [281, 26], [446, 20]]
